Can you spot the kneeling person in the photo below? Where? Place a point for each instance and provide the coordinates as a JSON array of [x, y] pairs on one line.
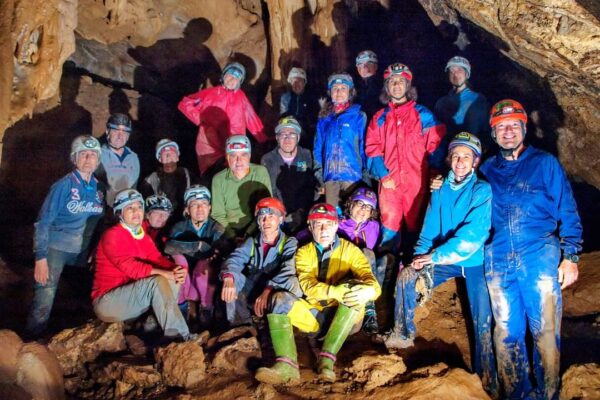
[[132, 276], [456, 226], [261, 267], [323, 266]]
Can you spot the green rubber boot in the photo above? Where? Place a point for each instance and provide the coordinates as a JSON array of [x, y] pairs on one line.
[[285, 369], [342, 323]]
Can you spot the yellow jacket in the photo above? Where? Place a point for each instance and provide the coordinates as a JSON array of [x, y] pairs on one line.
[[346, 261]]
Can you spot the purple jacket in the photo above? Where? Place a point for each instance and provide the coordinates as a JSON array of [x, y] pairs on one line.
[[364, 235]]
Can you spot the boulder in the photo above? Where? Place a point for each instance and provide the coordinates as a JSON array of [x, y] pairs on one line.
[[582, 298], [238, 356], [376, 370], [76, 346], [39, 372], [10, 345], [581, 382], [181, 364]]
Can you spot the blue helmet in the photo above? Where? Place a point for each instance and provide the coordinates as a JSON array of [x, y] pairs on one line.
[[235, 69], [158, 202], [343, 78]]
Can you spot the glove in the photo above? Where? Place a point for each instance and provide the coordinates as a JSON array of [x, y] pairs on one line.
[[338, 292], [359, 295]]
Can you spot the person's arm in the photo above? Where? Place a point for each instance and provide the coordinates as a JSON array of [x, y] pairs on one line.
[[55, 199], [285, 275], [253, 122], [191, 105], [471, 234], [218, 212], [307, 269], [374, 145], [318, 152], [434, 131]]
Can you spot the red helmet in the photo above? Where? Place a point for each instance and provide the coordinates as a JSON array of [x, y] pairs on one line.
[[507, 108], [269, 203], [398, 69], [323, 211]]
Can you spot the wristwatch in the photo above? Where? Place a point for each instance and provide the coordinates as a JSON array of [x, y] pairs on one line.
[[574, 258]]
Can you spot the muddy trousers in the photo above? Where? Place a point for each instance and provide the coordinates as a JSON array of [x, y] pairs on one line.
[[133, 299], [521, 296], [483, 360], [43, 295]]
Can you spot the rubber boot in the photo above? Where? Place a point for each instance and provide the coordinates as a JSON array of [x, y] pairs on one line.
[[343, 321], [285, 369]]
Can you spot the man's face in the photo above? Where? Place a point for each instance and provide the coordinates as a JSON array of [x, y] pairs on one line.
[[86, 161], [269, 223], [239, 162], [509, 133], [323, 231], [366, 70], [340, 93], [462, 161], [117, 138], [199, 210], [133, 214], [158, 218], [397, 86], [457, 76], [360, 211], [169, 155], [231, 82], [298, 85], [287, 139]]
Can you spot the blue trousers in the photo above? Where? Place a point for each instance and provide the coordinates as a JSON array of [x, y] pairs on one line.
[[527, 294], [43, 295], [484, 361]]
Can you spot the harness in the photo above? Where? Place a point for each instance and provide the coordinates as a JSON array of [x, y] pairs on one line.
[[253, 266]]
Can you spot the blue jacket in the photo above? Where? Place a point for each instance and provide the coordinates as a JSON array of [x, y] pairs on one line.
[[533, 208], [69, 215], [457, 222], [339, 152]]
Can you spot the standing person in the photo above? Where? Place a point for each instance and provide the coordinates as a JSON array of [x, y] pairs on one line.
[[369, 84], [463, 109], [456, 227], [297, 102], [292, 173], [120, 166], [262, 267], [131, 276], [337, 282], [237, 189], [169, 179], [533, 254], [400, 142], [339, 151], [158, 211], [220, 112], [197, 243], [64, 228]]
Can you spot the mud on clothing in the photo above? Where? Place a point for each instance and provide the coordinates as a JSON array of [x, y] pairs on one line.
[[233, 200], [401, 144], [118, 172], [219, 113], [534, 219]]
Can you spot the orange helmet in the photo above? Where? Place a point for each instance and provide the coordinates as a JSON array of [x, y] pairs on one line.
[[507, 108], [269, 203]]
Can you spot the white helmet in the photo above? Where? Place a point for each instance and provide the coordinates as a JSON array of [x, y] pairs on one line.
[[296, 73], [163, 143], [366, 56], [126, 197], [85, 142], [458, 61], [237, 143], [196, 192]]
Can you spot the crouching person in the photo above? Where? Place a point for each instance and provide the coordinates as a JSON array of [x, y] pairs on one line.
[[337, 282], [456, 226], [132, 276], [261, 267]]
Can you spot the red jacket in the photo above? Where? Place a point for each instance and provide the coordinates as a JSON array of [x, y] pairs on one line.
[[121, 259], [219, 113]]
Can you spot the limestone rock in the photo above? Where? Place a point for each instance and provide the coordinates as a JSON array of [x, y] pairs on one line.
[[181, 364], [237, 356], [39, 372], [582, 298], [376, 370], [10, 345], [143, 376], [581, 382], [232, 335], [13, 392], [74, 347]]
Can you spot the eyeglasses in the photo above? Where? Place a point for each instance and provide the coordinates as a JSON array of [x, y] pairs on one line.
[[284, 136], [362, 205]]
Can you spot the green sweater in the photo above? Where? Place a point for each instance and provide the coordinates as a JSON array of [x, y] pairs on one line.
[[233, 200]]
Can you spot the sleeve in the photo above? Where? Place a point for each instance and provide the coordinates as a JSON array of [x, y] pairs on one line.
[[569, 224], [264, 178], [434, 131], [135, 173], [146, 187], [471, 234], [318, 152], [286, 278], [237, 261], [190, 106], [253, 122], [374, 144], [218, 201], [57, 197], [119, 255], [307, 270], [284, 103], [361, 269], [431, 225]]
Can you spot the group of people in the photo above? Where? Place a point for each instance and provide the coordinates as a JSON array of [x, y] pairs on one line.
[[260, 242]]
